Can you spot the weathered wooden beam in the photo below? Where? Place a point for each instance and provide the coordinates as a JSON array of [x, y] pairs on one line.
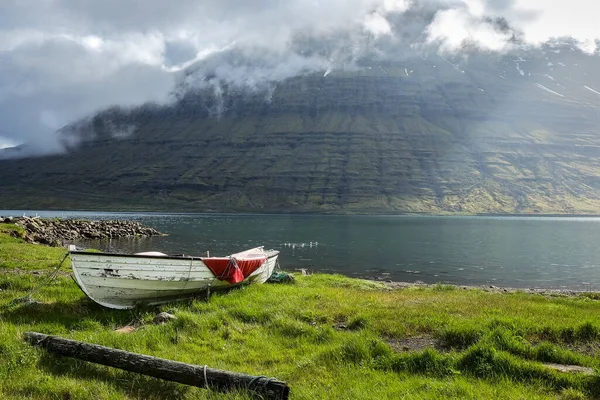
[[188, 374]]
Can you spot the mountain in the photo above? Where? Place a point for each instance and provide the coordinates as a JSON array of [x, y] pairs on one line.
[[13, 152], [480, 133]]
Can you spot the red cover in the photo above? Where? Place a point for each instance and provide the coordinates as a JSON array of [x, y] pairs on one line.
[[232, 270]]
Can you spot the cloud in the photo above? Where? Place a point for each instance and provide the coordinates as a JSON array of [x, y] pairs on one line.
[[454, 28], [61, 60], [5, 143], [574, 18]]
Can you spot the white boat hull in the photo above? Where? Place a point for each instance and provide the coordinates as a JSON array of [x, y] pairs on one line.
[[126, 281]]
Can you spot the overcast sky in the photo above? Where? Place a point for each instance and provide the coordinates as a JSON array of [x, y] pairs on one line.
[[61, 60]]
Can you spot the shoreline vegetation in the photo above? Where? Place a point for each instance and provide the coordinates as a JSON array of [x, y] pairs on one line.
[[327, 336]]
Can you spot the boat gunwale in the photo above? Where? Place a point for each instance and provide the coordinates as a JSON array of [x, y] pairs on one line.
[[166, 257]]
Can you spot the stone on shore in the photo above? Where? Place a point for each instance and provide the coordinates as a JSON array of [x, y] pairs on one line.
[[58, 232], [163, 318]]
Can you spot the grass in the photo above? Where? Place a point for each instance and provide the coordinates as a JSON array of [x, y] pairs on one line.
[[328, 336], [16, 254]]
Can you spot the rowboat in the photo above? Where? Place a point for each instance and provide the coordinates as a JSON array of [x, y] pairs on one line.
[[125, 281]]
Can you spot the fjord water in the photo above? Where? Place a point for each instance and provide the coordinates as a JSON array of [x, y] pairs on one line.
[[547, 252]]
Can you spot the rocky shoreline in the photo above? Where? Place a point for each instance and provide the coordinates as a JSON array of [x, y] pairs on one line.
[[59, 232], [592, 294]]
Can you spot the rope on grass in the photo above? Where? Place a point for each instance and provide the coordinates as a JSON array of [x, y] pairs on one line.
[[205, 378], [256, 382], [29, 297], [32, 260]]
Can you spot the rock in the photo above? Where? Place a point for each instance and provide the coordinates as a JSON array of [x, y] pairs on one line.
[[55, 232], [163, 318]]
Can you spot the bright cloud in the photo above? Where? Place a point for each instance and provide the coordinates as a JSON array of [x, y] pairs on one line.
[[61, 60]]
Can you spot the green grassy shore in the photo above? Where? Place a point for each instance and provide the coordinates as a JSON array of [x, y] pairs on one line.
[[327, 336]]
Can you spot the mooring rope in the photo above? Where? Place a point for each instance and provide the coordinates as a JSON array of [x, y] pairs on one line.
[[256, 381], [32, 260], [29, 297], [189, 273]]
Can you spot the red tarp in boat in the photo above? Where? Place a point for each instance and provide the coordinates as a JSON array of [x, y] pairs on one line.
[[231, 269]]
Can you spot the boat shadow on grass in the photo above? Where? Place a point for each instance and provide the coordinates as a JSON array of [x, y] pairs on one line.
[[78, 314], [83, 314], [70, 316]]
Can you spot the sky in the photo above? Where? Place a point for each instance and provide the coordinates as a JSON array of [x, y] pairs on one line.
[[62, 60]]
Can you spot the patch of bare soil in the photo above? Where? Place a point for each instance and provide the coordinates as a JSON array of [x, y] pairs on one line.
[[573, 369], [416, 343], [588, 348], [126, 329]]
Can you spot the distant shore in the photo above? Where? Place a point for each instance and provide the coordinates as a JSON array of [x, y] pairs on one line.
[[172, 211], [489, 288]]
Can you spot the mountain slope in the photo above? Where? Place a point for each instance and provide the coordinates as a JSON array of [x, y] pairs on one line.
[[487, 133]]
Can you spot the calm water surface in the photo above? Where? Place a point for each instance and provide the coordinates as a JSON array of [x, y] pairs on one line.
[[560, 252]]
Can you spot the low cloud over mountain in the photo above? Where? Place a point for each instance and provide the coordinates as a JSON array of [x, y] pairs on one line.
[[64, 60]]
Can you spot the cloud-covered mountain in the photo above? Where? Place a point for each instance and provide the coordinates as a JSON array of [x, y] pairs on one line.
[[382, 105], [415, 130]]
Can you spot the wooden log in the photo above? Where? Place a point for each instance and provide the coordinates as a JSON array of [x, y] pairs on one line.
[[188, 374]]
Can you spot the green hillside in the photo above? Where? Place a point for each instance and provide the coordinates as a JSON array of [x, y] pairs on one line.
[[474, 135]]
